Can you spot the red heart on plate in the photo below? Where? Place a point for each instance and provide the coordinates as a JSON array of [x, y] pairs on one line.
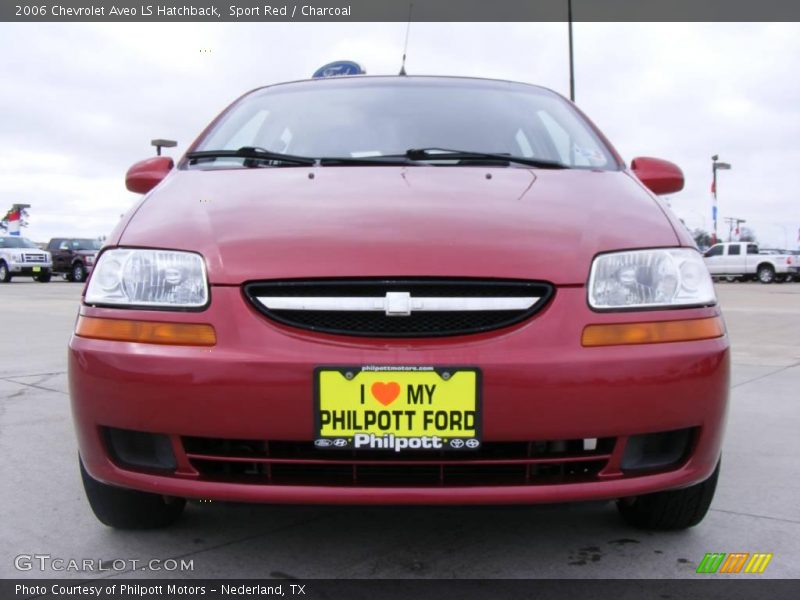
[[386, 393]]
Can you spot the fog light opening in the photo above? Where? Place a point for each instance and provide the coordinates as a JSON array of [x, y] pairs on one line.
[[656, 450], [140, 449]]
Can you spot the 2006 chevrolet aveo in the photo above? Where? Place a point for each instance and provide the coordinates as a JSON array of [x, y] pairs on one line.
[[400, 290]]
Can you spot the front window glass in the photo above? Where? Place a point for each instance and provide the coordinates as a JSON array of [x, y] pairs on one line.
[[86, 244], [388, 116], [715, 251], [16, 242]]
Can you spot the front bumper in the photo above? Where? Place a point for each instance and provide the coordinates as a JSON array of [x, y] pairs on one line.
[[538, 383], [26, 268]]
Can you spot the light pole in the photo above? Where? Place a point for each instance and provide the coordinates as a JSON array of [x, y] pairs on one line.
[[159, 143], [716, 165], [571, 61], [733, 222]]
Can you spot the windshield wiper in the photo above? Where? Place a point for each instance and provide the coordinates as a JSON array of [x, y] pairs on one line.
[[410, 157], [356, 161], [251, 153], [419, 154]]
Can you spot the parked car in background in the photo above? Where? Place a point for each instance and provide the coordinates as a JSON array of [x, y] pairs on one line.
[[743, 260], [795, 253], [74, 257], [20, 256]]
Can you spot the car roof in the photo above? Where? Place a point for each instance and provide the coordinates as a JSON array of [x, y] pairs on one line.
[[403, 80]]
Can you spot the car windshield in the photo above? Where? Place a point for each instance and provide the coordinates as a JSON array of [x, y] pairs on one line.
[[86, 244], [366, 118], [16, 242]]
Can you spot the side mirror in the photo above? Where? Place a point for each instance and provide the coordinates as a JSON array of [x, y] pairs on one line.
[[147, 174], [659, 176]]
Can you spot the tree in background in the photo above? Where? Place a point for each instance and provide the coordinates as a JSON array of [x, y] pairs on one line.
[[747, 234], [702, 238]]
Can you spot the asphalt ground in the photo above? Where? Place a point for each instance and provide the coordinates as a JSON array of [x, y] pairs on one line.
[[44, 512]]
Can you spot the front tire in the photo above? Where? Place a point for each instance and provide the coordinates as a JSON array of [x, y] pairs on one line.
[[129, 509], [766, 274], [5, 274], [78, 273], [671, 510]]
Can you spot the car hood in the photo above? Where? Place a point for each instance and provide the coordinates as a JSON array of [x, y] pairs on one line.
[[398, 221]]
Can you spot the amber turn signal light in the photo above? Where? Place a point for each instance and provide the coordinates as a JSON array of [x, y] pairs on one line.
[[146, 332], [618, 334]]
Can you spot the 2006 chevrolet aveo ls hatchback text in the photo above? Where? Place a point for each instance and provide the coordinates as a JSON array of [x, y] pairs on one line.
[[400, 290]]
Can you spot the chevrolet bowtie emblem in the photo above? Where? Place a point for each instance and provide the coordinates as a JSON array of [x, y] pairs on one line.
[[398, 304]]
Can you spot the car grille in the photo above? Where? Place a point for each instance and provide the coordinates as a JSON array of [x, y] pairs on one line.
[[34, 258], [301, 463], [424, 307]]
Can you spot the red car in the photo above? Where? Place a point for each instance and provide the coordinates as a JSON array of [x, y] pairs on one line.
[[400, 290]]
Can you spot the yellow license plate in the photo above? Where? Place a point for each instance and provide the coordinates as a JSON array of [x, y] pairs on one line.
[[36, 269], [397, 408]]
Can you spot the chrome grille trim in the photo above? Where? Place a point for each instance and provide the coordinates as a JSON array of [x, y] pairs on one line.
[[396, 303]]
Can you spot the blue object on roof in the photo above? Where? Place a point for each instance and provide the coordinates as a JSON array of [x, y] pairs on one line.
[[339, 68]]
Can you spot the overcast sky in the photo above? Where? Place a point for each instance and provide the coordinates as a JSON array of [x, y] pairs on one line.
[[79, 103]]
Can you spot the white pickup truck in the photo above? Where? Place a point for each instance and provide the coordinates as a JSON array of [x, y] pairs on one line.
[[20, 256], [742, 261]]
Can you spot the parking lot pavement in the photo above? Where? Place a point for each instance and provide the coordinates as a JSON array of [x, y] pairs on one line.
[[44, 512]]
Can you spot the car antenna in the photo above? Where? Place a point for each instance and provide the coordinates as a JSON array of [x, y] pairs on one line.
[[405, 47]]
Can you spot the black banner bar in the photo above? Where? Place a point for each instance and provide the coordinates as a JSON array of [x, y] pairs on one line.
[[397, 10], [706, 587]]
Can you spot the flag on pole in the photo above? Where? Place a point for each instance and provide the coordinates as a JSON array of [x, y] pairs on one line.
[[13, 221]]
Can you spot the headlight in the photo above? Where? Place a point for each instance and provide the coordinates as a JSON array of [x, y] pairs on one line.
[[89, 258], [164, 278], [16, 257], [650, 278]]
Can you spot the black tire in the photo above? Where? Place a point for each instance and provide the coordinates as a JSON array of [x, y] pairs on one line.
[[676, 509], [5, 274], [43, 277], [765, 274], [129, 509], [78, 273], [780, 279]]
